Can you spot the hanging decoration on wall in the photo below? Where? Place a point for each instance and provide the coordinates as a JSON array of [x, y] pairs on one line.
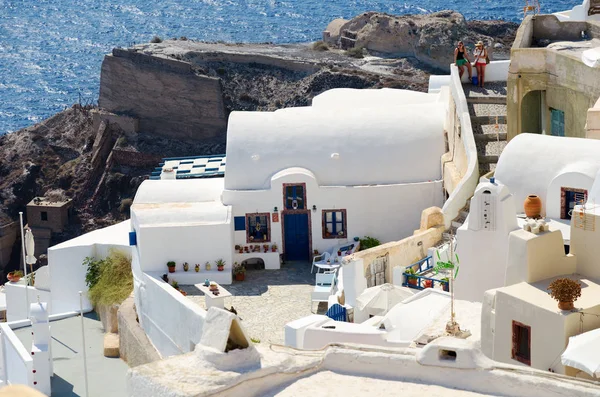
[[295, 204], [275, 217]]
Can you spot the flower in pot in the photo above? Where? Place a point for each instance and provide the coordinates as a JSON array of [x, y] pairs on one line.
[[427, 283], [412, 280], [197, 267], [171, 266], [446, 285], [175, 284], [213, 286], [266, 247], [186, 266], [246, 249], [220, 264], [207, 265], [274, 248], [15, 276], [239, 271], [237, 247], [565, 291]]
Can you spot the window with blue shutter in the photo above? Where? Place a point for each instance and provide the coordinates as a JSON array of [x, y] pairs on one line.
[[558, 122], [295, 197], [334, 224], [239, 223]]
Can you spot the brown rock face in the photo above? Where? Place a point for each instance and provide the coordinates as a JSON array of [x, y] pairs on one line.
[[166, 95], [430, 38]]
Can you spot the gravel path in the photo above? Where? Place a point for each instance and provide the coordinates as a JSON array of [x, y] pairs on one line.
[[269, 299]]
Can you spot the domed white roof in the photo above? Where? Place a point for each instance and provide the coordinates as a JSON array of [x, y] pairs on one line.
[[342, 146]]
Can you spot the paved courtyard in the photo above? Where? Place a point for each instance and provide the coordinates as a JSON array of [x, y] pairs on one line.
[[268, 299]]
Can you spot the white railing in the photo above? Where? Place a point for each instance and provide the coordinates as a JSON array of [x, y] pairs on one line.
[[17, 364], [466, 187]]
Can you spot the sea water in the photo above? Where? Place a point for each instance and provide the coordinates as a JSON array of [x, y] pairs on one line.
[[51, 50]]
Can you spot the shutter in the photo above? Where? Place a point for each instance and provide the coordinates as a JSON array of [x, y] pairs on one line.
[[515, 340]]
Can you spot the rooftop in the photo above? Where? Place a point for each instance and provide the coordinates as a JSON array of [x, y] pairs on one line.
[[537, 293], [45, 201], [106, 376], [192, 167]]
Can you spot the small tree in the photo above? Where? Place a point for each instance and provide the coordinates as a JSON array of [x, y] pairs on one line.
[[565, 290]]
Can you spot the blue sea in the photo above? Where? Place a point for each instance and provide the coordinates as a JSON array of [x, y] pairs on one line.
[[51, 50]]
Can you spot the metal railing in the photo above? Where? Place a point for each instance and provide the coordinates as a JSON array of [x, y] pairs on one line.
[[418, 281]]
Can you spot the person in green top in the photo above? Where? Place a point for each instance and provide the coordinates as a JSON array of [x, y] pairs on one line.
[[461, 58]]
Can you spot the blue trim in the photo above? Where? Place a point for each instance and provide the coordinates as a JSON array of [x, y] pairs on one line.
[[424, 265], [239, 223], [132, 238]]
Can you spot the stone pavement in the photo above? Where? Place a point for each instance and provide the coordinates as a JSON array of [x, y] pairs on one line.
[[269, 299]]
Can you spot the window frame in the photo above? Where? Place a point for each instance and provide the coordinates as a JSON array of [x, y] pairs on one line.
[[267, 216], [563, 199], [324, 222], [516, 342], [285, 196]]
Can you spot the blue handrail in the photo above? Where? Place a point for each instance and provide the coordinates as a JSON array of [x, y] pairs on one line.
[[421, 282]]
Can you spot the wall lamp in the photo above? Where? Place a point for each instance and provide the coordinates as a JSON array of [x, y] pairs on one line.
[[314, 207], [275, 209]]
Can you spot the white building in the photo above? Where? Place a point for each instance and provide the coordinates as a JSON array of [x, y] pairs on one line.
[[356, 163]]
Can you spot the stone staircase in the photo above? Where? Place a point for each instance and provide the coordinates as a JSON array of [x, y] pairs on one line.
[[488, 118]]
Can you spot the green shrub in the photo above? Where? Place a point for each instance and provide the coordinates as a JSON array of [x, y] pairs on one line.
[[125, 205], [368, 242], [156, 39], [93, 270], [355, 52], [115, 280], [320, 46]]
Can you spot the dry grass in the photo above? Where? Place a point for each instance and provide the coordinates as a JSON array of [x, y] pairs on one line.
[[115, 282]]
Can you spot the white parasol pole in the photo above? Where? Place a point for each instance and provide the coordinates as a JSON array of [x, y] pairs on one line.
[[24, 264], [85, 372]]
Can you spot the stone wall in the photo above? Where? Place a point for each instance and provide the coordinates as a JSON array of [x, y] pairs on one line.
[[135, 159], [8, 236], [166, 96]]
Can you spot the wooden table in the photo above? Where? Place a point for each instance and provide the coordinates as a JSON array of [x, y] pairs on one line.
[[214, 300]]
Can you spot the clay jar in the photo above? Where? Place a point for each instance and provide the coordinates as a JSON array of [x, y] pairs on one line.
[[532, 206]]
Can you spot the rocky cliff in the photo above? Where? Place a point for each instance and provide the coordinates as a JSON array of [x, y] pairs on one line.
[[430, 38]]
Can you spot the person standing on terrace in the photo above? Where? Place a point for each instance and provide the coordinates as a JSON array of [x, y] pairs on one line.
[[461, 58], [481, 60]]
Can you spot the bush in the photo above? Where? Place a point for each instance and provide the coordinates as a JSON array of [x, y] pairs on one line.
[[156, 39], [565, 290], [355, 52], [115, 280], [122, 141], [320, 46], [125, 205], [368, 242], [93, 270]]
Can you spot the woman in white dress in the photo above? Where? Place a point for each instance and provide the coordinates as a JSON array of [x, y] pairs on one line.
[[481, 56]]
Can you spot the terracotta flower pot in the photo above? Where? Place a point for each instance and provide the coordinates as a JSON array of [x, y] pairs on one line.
[[565, 305], [532, 206], [171, 269], [412, 281], [240, 276], [428, 283], [220, 268]]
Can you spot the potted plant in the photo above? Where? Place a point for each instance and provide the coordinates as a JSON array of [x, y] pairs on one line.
[[175, 285], [15, 276], [197, 267], [207, 265], [239, 271], [427, 283], [274, 248], [246, 249], [165, 278], [220, 264], [237, 247], [213, 286], [565, 291], [171, 266], [411, 280], [186, 266], [266, 247], [446, 284]]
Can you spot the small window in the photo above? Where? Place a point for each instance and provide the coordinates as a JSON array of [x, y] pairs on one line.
[[294, 197], [239, 223], [334, 224], [569, 197], [44, 215], [258, 230], [558, 122], [521, 343]]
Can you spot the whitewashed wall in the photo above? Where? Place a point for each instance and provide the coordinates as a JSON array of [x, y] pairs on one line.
[[494, 71], [388, 212], [16, 301], [184, 243], [16, 361], [172, 322]]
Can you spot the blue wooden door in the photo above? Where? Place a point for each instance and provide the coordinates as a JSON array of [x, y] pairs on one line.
[[296, 237]]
